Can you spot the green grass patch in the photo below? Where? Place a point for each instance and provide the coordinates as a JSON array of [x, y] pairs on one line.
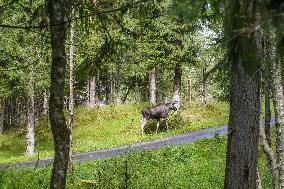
[[110, 126], [198, 165]]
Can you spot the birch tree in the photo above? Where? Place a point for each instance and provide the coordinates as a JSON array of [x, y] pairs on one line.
[[153, 87], [71, 83], [31, 116]]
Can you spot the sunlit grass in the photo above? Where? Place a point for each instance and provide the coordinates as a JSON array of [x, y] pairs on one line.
[[110, 126]]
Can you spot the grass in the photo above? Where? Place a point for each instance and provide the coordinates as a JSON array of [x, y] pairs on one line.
[[110, 126], [198, 165]]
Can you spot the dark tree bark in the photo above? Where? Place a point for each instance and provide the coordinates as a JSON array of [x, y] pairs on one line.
[[242, 146], [126, 94], [177, 84], [153, 87], [59, 128], [31, 117]]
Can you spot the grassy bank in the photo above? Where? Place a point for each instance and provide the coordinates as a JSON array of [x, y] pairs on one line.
[[110, 126], [199, 165]]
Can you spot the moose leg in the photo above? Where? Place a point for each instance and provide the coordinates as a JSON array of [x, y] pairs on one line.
[[166, 122], [143, 123], [158, 123]]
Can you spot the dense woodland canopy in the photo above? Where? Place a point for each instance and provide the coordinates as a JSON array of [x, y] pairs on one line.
[[57, 55]]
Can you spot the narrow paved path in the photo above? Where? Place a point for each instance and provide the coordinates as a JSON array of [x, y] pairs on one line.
[[185, 138]]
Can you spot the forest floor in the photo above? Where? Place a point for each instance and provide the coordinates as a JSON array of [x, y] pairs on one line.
[[110, 126]]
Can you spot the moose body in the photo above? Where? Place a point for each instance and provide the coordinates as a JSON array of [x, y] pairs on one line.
[[157, 112]]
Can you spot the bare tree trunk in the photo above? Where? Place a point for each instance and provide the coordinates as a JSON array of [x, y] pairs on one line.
[[126, 94], [153, 87], [31, 117], [204, 87], [278, 99], [242, 146], [88, 93], [2, 106], [177, 84], [117, 84], [71, 86], [109, 89], [98, 92], [93, 92], [189, 91], [59, 128], [45, 102]]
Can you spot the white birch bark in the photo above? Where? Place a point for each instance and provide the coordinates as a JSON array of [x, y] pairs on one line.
[[92, 92], [71, 86], [31, 117], [153, 87]]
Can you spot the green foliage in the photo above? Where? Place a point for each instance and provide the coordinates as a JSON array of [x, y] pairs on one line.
[[198, 165]]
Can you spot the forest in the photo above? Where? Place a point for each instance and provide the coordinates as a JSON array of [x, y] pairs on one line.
[[142, 94]]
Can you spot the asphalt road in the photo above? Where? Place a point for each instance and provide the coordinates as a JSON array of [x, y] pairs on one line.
[[184, 138]]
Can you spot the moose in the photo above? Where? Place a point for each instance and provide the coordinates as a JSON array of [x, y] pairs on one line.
[[157, 112]]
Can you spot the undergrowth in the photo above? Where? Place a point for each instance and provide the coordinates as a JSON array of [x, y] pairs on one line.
[[198, 165]]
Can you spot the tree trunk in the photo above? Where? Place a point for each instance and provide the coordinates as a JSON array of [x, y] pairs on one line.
[[71, 86], [204, 87], [88, 93], [278, 99], [45, 102], [98, 92], [117, 84], [189, 91], [109, 89], [267, 113], [59, 128], [177, 84], [153, 87], [31, 117], [93, 92], [129, 88], [242, 146], [2, 106]]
